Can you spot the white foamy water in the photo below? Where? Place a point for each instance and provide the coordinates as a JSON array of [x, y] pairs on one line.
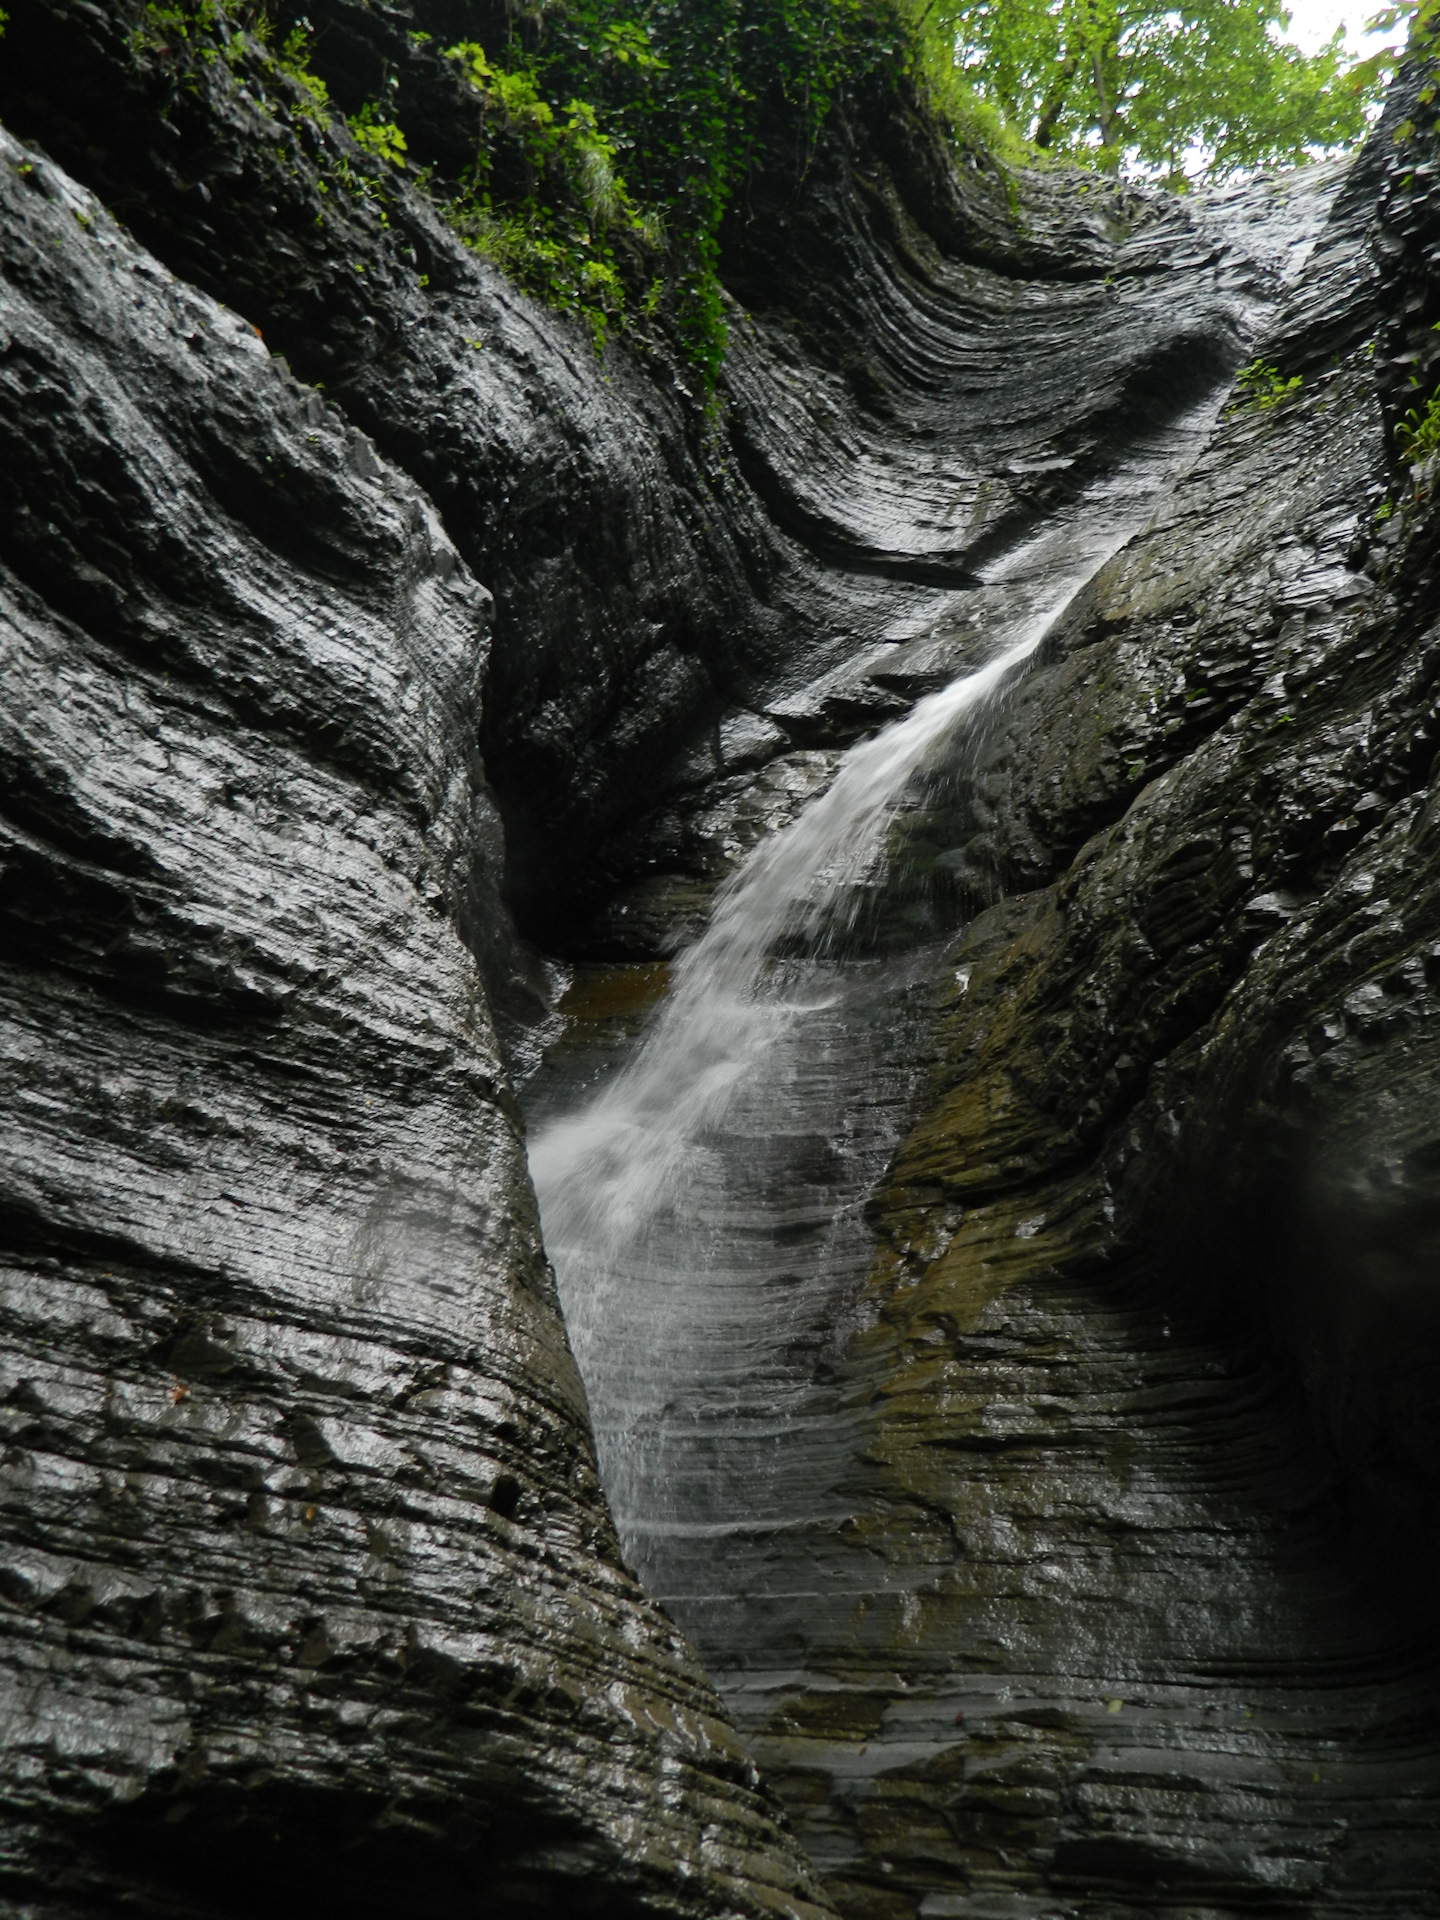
[[704, 1206], [654, 1193], [707, 1203], [601, 1174]]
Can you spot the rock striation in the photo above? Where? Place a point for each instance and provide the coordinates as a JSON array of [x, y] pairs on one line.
[[309, 1590], [654, 578], [1140, 1525], [309, 1593]]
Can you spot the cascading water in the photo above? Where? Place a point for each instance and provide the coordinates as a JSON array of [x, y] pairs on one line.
[[704, 1207], [978, 1556], [639, 1190]]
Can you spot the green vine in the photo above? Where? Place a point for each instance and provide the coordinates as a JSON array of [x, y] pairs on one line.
[[610, 136], [1263, 387]]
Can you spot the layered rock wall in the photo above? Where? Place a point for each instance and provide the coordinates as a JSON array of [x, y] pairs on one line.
[[1146, 1415], [652, 574], [309, 1588]]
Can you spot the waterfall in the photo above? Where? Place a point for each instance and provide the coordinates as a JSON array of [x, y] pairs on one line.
[[702, 1206], [604, 1175]]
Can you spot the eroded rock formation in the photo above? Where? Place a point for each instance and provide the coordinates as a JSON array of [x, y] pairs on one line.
[[1145, 1476], [310, 1593]]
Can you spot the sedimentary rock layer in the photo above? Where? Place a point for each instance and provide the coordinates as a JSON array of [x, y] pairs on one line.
[[1144, 1491], [309, 1589], [311, 1593], [919, 363]]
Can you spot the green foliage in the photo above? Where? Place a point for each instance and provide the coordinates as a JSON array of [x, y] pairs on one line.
[[612, 136], [1205, 86], [1417, 436], [294, 60], [555, 241], [628, 42], [1420, 19], [564, 275], [381, 137], [973, 120], [206, 31], [163, 26], [1262, 387]]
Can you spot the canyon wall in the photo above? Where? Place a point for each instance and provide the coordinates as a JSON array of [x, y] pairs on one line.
[[1143, 1495], [310, 1591], [309, 1588]]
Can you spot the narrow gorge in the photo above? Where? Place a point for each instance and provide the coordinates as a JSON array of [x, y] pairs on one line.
[[722, 1179]]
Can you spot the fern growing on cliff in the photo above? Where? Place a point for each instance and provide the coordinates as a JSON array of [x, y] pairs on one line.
[[592, 148]]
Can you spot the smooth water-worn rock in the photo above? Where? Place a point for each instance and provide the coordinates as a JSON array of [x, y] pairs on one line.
[[920, 365], [1154, 1350], [1042, 1455], [308, 1591], [1063, 1535]]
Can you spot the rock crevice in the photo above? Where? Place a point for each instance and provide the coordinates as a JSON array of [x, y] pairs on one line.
[[309, 1591]]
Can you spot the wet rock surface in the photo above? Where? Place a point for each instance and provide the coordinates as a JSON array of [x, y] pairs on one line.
[[1142, 1522], [1114, 1595], [1078, 1559], [309, 1590], [655, 578]]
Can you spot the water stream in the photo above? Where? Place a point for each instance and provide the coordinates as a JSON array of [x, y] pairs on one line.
[[703, 1204], [994, 1601]]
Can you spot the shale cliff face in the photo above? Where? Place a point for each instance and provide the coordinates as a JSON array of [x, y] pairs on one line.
[[1144, 1490], [653, 577], [309, 1594], [309, 1589]]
